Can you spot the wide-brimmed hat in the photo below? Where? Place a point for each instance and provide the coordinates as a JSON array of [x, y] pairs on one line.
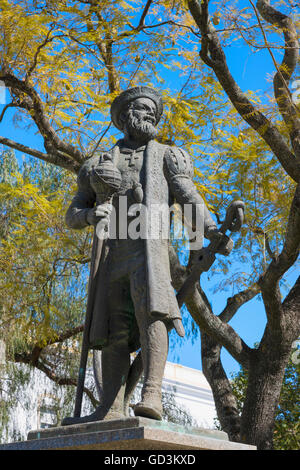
[[131, 94]]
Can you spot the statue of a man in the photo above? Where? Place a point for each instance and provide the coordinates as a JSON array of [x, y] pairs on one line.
[[134, 302]]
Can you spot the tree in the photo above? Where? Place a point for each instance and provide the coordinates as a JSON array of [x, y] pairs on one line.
[[42, 287], [286, 434], [73, 61]]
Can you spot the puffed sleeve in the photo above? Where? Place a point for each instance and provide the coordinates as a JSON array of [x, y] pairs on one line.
[[179, 172], [178, 163], [83, 200]]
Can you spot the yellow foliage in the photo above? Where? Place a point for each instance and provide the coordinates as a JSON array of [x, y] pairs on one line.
[[38, 258], [78, 57]]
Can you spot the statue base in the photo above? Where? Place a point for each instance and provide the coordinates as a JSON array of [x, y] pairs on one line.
[[126, 434]]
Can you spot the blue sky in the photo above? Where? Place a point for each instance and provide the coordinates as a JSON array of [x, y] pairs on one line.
[[251, 71]]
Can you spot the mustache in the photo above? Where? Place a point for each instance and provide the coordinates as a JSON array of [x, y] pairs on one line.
[[140, 128]]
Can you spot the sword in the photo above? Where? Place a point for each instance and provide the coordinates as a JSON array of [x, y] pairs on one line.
[[206, 256]]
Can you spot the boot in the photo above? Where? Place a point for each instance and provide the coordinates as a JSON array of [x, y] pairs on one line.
[[115, 362], [154, 343]]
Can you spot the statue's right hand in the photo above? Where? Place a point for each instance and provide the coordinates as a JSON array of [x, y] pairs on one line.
[[97, 214]]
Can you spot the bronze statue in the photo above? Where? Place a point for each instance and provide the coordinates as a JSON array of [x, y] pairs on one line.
[[131, 302]]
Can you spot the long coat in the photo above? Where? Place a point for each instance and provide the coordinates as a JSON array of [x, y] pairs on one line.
[[168, 177]]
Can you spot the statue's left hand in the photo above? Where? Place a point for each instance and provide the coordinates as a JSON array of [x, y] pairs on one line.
[[179, 327]]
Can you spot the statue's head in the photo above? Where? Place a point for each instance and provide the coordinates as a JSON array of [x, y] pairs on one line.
[[137, 112]]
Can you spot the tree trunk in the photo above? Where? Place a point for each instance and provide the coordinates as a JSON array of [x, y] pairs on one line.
[[224, 398], [266, 374]]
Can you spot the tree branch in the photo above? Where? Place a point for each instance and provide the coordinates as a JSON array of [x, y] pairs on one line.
[[290, 251], [39, 48], [62, 380], [235, 302], [269, 281], [284, 73], [60, 160], [144, 14], [260, 231], [291, 308], [213, 55], [211, 348], [202, 314], [224, 399], [65, 335], [268, 246], [104, 47], [33, 358], [9, 105], [293, 298], [34, 105]]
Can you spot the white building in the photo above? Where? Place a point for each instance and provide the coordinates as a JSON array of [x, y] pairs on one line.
[[39, 400], [192, 392]]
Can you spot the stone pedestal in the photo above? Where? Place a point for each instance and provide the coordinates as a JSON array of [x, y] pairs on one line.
[[126, 434]]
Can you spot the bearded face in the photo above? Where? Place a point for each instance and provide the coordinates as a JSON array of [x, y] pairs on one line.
[[139, 123]]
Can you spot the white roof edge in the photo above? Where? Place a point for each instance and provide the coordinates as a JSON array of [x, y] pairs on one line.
[[188, 375]]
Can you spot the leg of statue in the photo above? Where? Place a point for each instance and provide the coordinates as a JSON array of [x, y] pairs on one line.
[[115, 356], [115, 367], [154, 341], [115, 363], [154, 348], [98, 376]]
